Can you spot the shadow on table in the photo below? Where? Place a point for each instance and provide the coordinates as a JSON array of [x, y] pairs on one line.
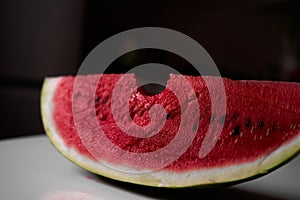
[[181, 193]]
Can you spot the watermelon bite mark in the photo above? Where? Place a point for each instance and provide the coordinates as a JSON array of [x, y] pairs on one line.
[[261, 129]]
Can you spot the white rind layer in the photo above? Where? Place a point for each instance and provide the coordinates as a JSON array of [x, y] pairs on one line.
[[161, 178]]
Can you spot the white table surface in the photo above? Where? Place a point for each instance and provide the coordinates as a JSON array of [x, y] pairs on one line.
[[30, 168]]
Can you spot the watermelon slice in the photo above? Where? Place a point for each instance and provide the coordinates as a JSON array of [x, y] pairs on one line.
[[259, 131]]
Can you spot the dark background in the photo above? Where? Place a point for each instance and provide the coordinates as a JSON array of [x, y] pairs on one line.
[[256, 39]]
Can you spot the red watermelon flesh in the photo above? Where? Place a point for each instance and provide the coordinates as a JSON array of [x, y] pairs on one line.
[[261, 116]]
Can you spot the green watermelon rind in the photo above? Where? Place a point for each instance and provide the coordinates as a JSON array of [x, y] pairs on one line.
[[163, 178]]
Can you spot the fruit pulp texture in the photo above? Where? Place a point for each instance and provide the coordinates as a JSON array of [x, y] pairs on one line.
[[260, 117]]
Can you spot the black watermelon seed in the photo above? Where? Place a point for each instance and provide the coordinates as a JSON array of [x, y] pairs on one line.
[[97, 99], [105, 100], [261, 124], [195, 127], [234, 117], [248, 123], [222, 119], [168, 116], [236, 130], [212, 118]]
